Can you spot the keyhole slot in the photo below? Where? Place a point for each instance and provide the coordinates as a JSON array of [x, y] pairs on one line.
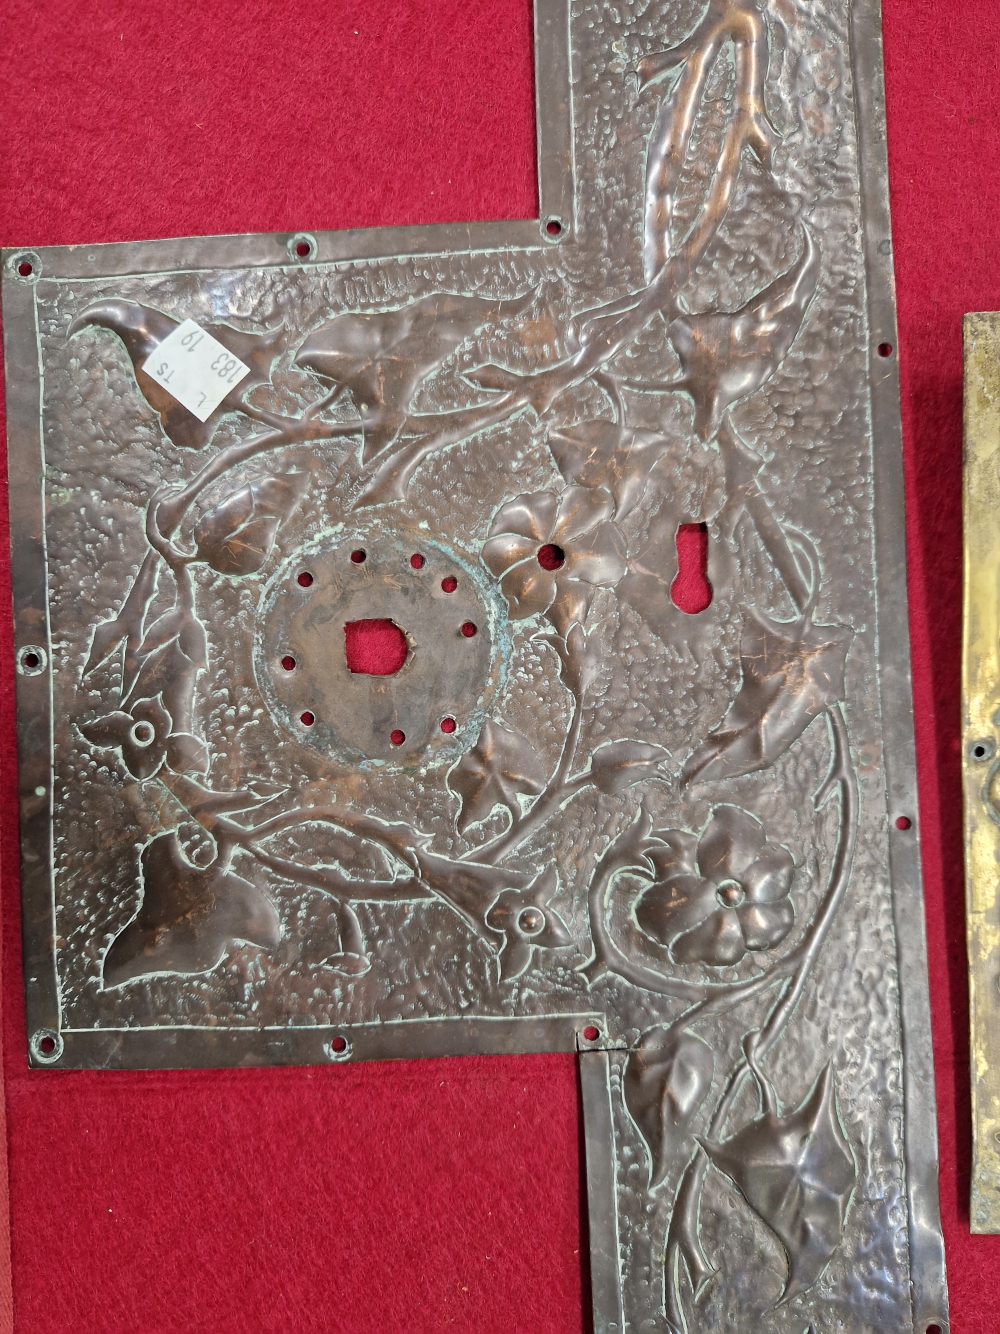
[[691, 592]]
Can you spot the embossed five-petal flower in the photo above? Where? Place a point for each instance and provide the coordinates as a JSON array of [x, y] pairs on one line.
[[550, 551], [720, 895], [145, 738], [526, 923]]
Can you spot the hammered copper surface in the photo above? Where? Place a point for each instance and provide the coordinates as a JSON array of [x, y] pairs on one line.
[[592, 819]]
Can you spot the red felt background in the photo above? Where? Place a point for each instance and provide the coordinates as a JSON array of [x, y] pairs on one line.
[[446, 1194]]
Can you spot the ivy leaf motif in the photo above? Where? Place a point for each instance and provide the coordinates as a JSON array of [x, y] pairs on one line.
[[620, 764], [600, 453], [237, 536], [501, 765], [188, 917], [667, 1078], [797, 1173], [143, 328], [725, 357], [382, 357], [792, 671]]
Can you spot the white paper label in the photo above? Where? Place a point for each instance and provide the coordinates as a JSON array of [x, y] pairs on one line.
[[195, 368]]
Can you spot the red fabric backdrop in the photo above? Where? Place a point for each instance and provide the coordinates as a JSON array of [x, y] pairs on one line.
[[439, 1194]]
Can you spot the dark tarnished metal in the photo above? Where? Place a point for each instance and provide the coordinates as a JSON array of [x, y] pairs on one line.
[[554, 810]]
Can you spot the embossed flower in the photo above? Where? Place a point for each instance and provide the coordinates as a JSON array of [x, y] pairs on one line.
[[526, 924], [551, 551], [144, 738], [720, 895]]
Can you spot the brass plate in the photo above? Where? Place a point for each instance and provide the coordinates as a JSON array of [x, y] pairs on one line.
[[980, 763], [573, 815]]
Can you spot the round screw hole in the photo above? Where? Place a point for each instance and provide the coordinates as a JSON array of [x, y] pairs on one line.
[[591, 1034], [934, 1328], [551, 557], [143, 734], [397, 737], [554, 227], [305, 579], [417, 561], [288, 662], [338, 1048], [302, 246], [469, 628], [449, 584], [359, 557], [307, 719], [25, 270], [31, 660], [46, 1045], [982, 750], [903, 822], [448, 725], [885, 349]]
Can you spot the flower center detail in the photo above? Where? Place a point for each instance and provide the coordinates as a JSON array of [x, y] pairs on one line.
[[730, 893], [530, 921], [143, 734], [551, 557]]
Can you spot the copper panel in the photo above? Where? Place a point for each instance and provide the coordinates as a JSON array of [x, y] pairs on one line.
[[370, 717]]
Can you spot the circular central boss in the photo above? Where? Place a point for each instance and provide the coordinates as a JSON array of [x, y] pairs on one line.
[[381, 647]]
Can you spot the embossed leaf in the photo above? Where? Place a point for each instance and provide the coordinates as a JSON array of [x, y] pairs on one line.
[[128, 623], [619, 764], [791, 672], [173, 651], [501, 766], [601, 453], [667, 1078], [721, 23], [350, 959], [143, 328], [188, 917], [383, 356], [725, 357], [797, 1173], [236, 537], [579, 657]]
